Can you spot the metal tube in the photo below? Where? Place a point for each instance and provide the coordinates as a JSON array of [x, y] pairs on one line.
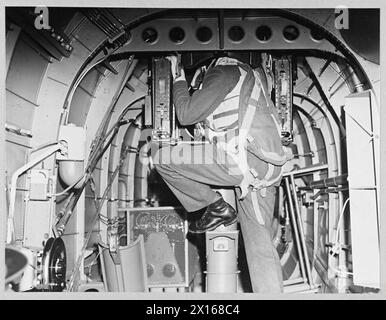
[[18, 131], [111, 213], [306, 170], [140, 176], [301, 232], [221, 256], [108, 114], [126, 171], [94, 158], [12, 199], [99, 206], [329, 182], [67, 102], [128, 154], [292, 281], [342, 257], [294, 225]]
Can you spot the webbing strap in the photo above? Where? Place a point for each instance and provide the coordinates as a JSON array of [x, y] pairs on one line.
[[263, 86], [225, 113], [264, 183], [253, 102], [244, 129], [269, 172], [256, 208]]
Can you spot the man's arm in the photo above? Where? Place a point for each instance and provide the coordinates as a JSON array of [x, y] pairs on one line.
[[218, 82]]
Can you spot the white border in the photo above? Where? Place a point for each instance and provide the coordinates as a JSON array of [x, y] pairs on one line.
[[194, 4]]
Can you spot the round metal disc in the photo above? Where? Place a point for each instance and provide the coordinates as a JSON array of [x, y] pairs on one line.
[[54, 265]]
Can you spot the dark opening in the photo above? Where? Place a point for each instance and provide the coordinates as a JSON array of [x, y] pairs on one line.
[[204, 34], [150, 35], [177, 35], [263, 33], [236, 33], [291, 33], [316, 35]]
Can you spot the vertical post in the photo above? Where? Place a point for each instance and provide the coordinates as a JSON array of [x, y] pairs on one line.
[[80, 232], [294, 225], [301, 232], [222, 254]]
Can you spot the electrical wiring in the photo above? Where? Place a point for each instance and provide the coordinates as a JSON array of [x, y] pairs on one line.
[[69, 187], [99, 206], [93, 160], [76, 84], [336, 246], [44, 145], [340, 220], [188, 133], [93, 261]]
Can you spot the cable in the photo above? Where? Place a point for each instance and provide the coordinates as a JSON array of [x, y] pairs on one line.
[[115, 126], [188, 133], [96, 218], [340, 220], [92, 262], [340, 272], [70, 187], [336, 247], [44, 145], [67, 103]]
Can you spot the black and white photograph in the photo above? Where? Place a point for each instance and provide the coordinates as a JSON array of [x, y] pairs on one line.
[[153, 151]]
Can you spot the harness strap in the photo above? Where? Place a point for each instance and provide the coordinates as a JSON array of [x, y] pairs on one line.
[[250, 175], [256, 208], [265, 183]]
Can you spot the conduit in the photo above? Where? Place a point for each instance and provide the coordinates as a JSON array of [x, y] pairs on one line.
[[129, 152], [140, 176], [50, 150]]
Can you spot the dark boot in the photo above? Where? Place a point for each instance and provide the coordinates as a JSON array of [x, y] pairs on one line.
[[216, 214]]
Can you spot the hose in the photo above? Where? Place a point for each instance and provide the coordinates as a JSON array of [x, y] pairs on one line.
[[93, 160]]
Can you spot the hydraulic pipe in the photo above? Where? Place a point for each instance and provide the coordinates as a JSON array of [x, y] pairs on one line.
[[306, 170], [294, 225], [329, 182], [12, 199], [140, 176], [61, 224], [112, 194], [129, 151], [99, 206], [128, 72], [301, 233]]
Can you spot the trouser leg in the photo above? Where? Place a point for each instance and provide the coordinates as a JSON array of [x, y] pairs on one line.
[[263, 260], [191, 182]]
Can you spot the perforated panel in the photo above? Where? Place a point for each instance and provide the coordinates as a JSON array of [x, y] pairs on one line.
[[237, 34]]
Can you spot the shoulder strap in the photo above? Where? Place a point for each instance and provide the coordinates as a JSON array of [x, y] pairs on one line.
[[246, 91], [262, 78]]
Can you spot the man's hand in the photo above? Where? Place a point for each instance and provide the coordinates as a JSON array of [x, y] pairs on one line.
[[174, 67], [197, 78]]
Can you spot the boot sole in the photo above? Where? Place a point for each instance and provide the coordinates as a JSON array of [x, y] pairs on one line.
[[214, 227]]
